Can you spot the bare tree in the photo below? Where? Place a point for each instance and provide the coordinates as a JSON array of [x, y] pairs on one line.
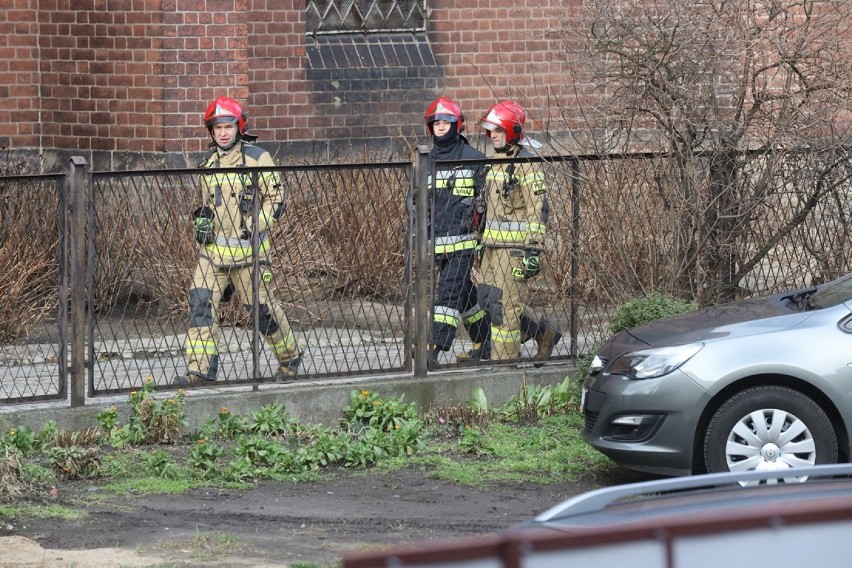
[[732, 92]]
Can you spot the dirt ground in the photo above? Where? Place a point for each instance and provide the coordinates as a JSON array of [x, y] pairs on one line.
[[276, 524]]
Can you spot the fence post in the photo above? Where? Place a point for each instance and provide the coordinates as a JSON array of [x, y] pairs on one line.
[[575, 261], [78, 203], [422, 267]]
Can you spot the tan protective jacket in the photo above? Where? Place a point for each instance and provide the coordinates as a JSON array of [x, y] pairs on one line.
[[516, 214], [222, 192]]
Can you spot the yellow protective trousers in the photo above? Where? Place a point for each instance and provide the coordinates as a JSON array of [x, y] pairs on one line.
[[503, 291], [205, 296]]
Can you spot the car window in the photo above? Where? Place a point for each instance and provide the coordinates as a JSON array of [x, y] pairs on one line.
[[832, 293]]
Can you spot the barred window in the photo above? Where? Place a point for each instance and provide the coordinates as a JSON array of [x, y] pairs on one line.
[[348, 16]]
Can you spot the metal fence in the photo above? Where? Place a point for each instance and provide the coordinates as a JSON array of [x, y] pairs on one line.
[[108, 274]]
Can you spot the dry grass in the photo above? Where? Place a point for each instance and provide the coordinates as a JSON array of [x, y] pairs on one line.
[[643, 228], [11, 483], [29, 279]]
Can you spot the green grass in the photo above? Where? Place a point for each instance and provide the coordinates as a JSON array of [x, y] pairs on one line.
[[40, 511], [548, 451]]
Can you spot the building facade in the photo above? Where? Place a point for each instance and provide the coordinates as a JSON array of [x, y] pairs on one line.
[[125, 83]]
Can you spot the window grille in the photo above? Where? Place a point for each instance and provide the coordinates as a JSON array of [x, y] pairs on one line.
[[348, 16]]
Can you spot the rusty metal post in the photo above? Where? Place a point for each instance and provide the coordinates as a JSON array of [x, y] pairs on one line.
[[422, 273], [78, 203], [575, 260]]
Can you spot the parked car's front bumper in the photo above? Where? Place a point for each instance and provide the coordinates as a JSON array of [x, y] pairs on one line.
[[648, 424]]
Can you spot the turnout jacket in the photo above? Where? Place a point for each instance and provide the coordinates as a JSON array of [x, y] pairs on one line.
[[454, 188], [517, 209], [223, 192]]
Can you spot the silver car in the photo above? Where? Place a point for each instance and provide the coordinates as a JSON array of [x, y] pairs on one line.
[[757, 384]]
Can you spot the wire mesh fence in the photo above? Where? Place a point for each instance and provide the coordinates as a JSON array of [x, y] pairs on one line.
[[346, 271], [33, 289]]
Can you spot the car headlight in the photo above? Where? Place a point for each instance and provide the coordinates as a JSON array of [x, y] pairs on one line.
[[651, 363]]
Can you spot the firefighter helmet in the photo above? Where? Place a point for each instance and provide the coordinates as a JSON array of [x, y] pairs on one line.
[[443, 108], [228, 110], [509, 116]]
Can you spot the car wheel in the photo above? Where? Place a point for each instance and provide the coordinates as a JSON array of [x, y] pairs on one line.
[[768, 428]]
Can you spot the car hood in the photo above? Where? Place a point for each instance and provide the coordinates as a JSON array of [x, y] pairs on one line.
[[732, 319]]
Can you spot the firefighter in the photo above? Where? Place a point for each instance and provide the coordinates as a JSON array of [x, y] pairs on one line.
[[513, 237], [224, 227], [455, 188]]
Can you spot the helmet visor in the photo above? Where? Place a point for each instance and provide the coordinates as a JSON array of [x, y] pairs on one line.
[[447, 117], [222, 119], [490, 126]]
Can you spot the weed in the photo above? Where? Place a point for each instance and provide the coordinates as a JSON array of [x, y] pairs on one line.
[[230, 425], [473, 442], [271, 420], [258, 451], [75, 462], [203, 456], [240, 470], [23, 439], [159, 463]]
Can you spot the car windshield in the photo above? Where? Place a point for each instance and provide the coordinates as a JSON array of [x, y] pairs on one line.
[[831, 294]]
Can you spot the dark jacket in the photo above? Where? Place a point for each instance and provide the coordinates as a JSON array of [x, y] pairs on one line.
[[455, 187]]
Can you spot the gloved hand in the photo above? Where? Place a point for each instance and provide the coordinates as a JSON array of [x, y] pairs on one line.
[[478, 252], [532, 263], [245, 235], [203, 226]]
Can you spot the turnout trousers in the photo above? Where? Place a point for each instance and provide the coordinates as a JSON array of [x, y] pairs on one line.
[[502, 291], [456, 301], [209, 282]]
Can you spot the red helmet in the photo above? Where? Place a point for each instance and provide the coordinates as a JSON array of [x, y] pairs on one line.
[[443, 108], [224, 109], [509, 116]]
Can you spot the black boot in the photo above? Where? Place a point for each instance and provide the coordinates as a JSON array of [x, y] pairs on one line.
[[479, 352], [288, 370], [199, 377]]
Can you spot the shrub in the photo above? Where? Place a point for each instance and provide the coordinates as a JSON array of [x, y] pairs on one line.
[[650, 308]]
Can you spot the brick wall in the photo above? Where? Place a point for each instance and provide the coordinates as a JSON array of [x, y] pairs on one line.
[[125, 81], [19, 110]]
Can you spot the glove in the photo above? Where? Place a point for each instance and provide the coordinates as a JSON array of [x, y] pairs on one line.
[[245, 235], [532, 263], [478, 253], [203, 226]]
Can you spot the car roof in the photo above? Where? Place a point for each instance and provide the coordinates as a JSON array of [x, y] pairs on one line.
[[690, 497], [667, 523]]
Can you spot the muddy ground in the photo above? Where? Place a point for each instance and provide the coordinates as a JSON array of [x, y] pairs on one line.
[[276, 524]]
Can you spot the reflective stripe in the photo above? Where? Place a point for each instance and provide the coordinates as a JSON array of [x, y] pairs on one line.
[[201, 347], [507, 225], [540, 228], [449, 316], [463, 181], [532, 178], [496, 175], [511, 231], [443, 175], [474, 317], [286, 346], [444, 245], [236, 248], [512, 336]]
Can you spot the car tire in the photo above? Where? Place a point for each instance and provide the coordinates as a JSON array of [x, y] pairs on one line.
[[741, 437]]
